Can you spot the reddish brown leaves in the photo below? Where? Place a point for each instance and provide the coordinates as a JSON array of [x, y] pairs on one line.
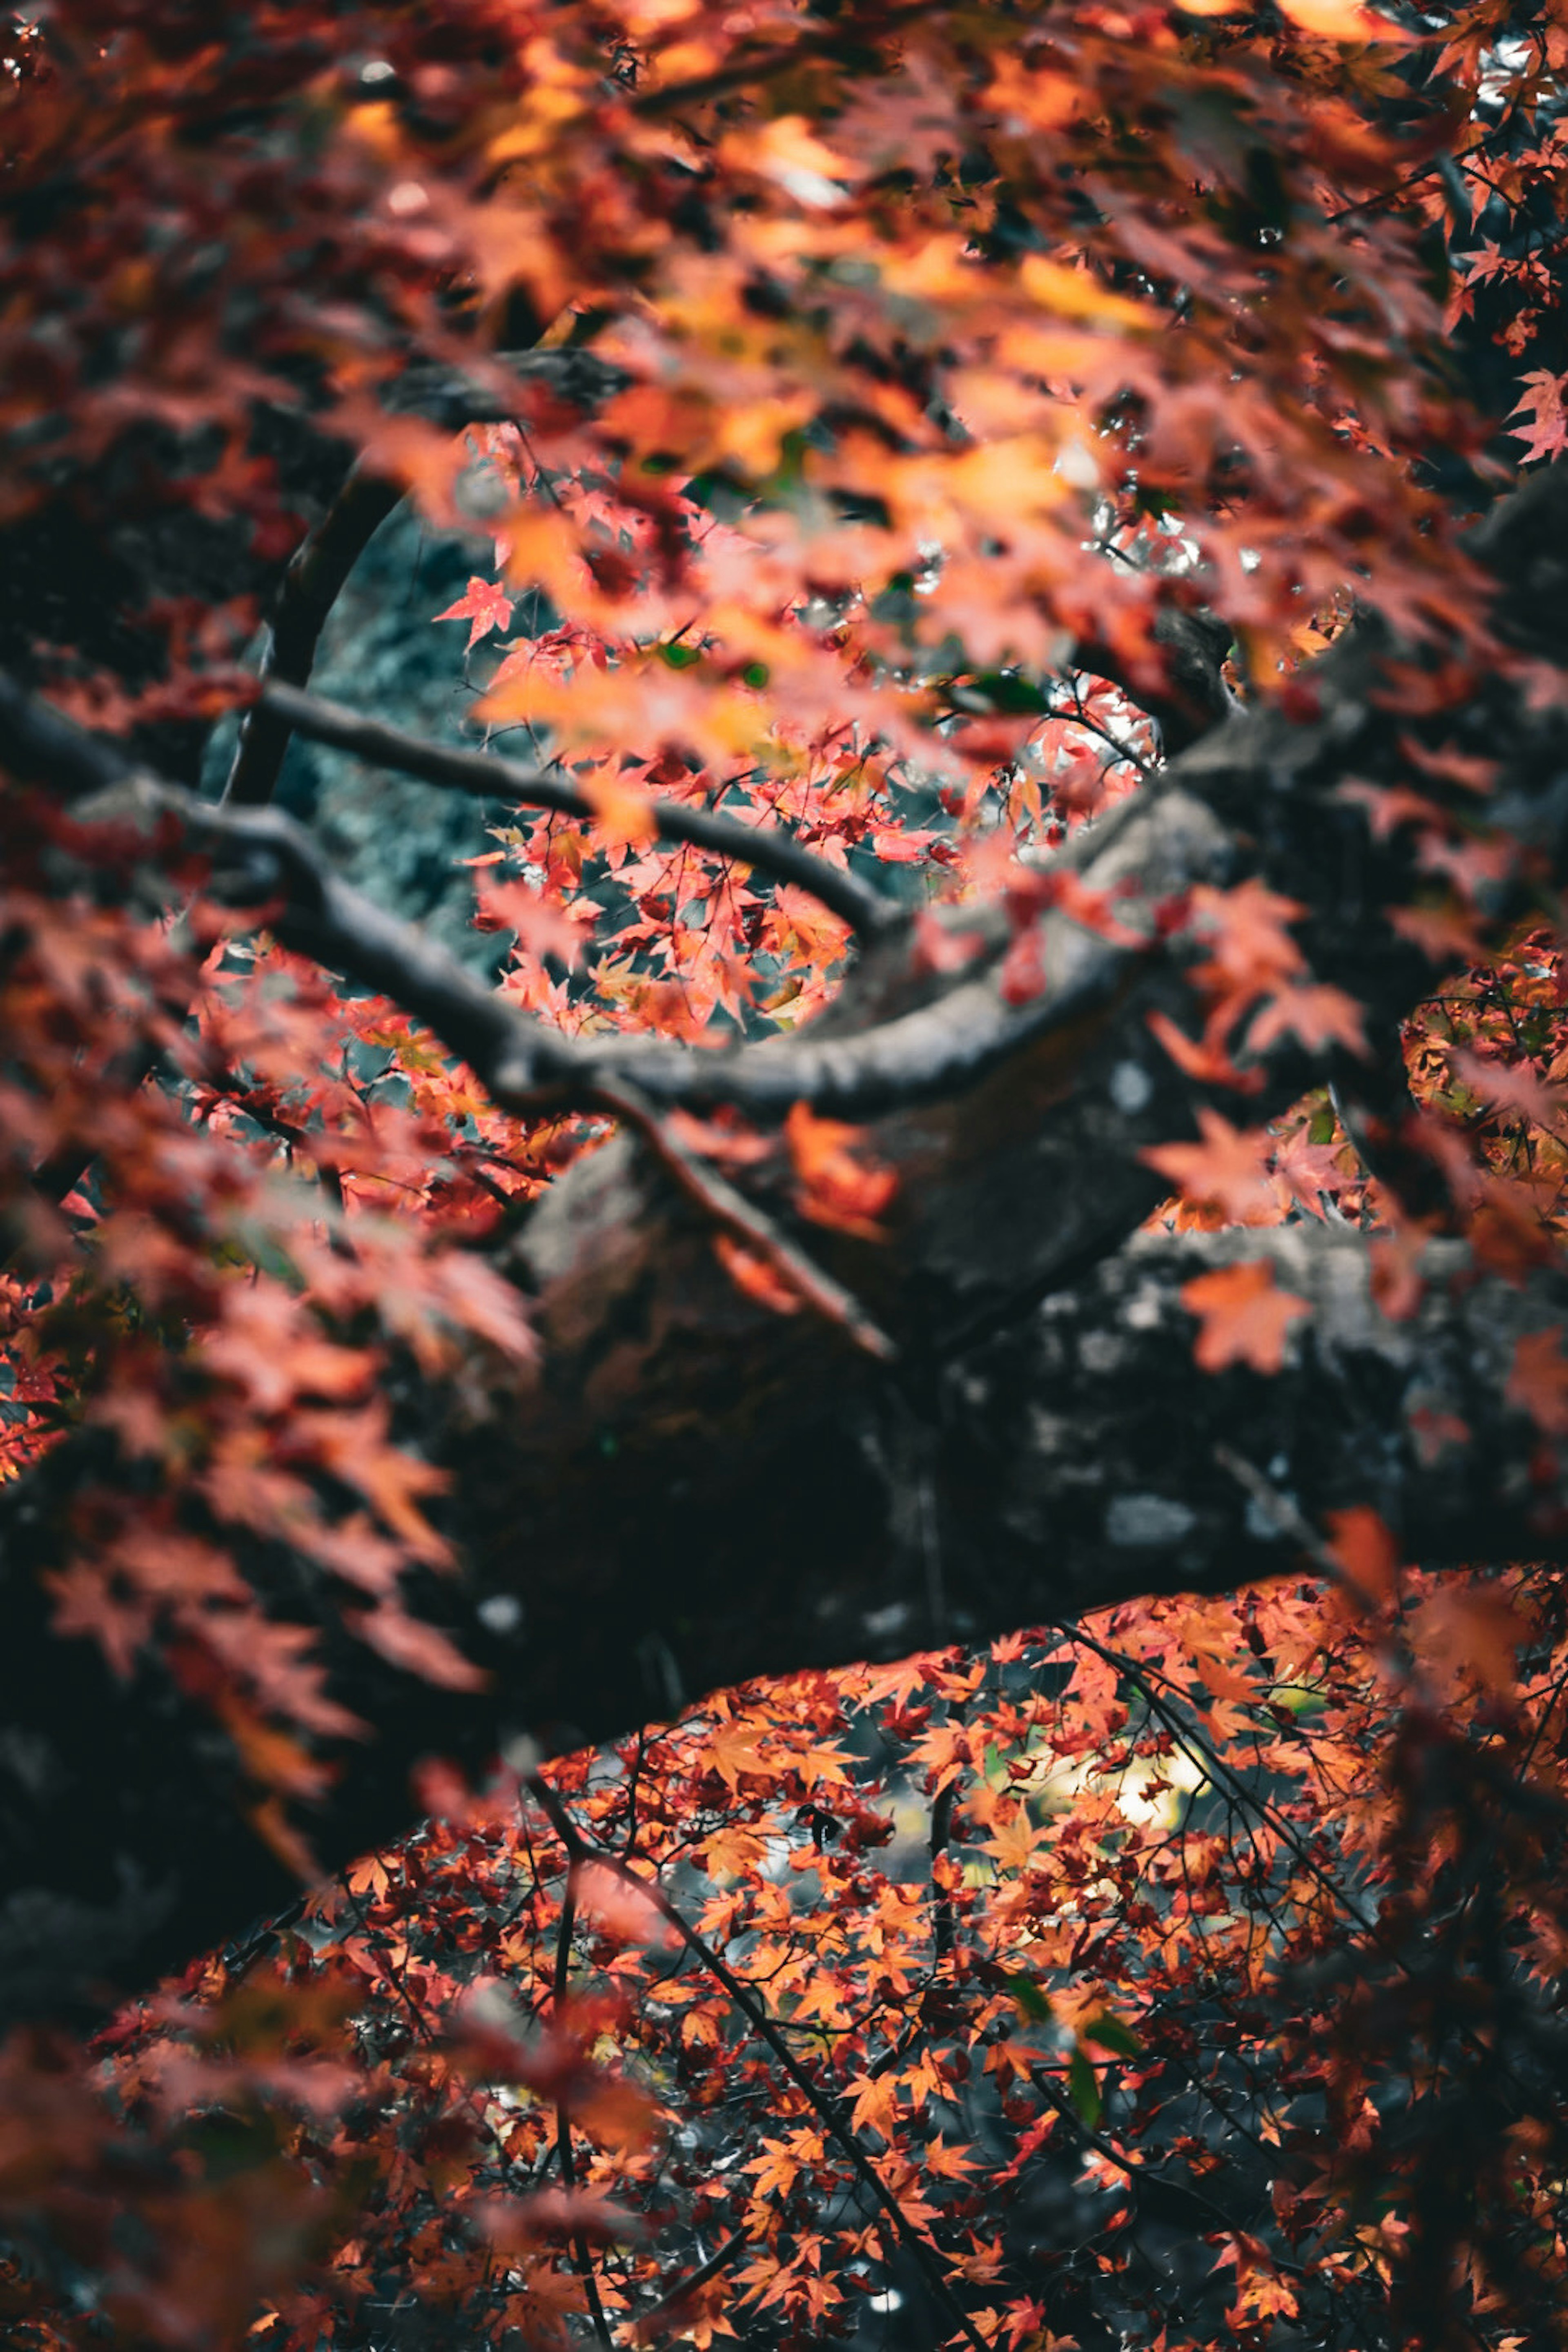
[[991, 350]]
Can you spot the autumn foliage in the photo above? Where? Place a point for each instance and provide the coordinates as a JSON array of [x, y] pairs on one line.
[[1016, 577]]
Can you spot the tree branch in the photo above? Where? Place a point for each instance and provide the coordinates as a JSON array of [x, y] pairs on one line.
[[489, 776], [310, 588], [484, 391], [745, 1223], [1072, 1457]]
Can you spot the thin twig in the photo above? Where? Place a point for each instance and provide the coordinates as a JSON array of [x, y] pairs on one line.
[[1281, 1512], [745, 1223], [1138, 2174], [944, 1924], [682, 2291], [582, 2260], [270, 865], [1214, 1767]]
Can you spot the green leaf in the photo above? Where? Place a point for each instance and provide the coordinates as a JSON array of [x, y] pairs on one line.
[[1083, 2090], [1107, 2032], [1033, 2002]]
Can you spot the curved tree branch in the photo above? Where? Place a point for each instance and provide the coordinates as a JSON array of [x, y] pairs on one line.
[[487, 391], [310, 588], [488, 776]]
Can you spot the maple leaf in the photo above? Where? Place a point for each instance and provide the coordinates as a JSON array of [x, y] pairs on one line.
[[539, 924], [1318, 1013], [623, 810], [1469, 1630], [777, 2167], [1049, 462], [876, 2104], [1365, 1549], [1245, 1315], [1250, 944], [1013, 1843], [355, 1447], [622, 1911], [732, 1850], [485, 605], [1546, 434], [837, 1188], [415, 1647], [756, 1275], [1512, 1085], [733, 1749], [1228, 1171]]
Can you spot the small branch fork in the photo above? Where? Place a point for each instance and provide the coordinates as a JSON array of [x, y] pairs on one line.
[[681, 2293], [748, 1225], [325, 917], [578, 1850], [1138, 2174]]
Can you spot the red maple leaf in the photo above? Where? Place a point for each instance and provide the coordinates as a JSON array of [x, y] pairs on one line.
[[485, 605]]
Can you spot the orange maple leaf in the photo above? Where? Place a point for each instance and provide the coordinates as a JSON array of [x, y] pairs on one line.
[[732, 1750], [837, 1189], [1365, 1547], [1476, 1630], [1543, 405], [1319, 1014], [753, 1275], [1245, 1317], [1226, 1170]]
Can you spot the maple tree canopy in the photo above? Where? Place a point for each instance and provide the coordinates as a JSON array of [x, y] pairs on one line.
[[1011, 1076]]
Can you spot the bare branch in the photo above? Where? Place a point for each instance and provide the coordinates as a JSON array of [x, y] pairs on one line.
[[488, 776], [494, 390], [673, 2304], [269, 861]]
